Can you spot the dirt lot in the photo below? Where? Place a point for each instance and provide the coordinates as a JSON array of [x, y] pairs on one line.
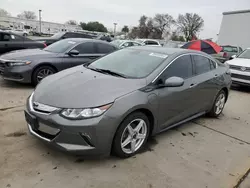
[[201, 154]]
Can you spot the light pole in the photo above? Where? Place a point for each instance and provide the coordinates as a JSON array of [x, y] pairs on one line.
[[40, 21], [115, 28]]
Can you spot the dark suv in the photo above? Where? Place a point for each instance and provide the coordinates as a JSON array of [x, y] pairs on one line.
[[64, 35]]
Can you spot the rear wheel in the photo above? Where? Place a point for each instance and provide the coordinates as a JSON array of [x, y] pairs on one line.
[[218, 105], [131, 135], [42, 72]]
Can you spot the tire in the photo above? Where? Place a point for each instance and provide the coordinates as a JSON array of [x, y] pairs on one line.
[[37, 74], [136, 137], [215, 112], [25, 34]]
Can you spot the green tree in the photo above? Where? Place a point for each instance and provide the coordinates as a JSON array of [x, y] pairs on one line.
[[93, 26], [190, 24], [30, 15], [125, 29]]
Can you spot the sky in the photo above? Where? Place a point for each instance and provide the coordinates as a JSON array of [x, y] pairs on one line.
[[127, 12]]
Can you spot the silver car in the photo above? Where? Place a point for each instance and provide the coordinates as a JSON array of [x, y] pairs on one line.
[[118, 101], [125, 43]]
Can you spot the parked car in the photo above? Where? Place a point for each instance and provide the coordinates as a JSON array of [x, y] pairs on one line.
[[125, 43], [227, 52], [240, 68], [31, 66], [10, 41], [118, 101], [63, 35], [20, 32], [149, 42], [104, 38]]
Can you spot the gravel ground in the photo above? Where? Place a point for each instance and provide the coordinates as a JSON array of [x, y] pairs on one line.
[[200, 154]]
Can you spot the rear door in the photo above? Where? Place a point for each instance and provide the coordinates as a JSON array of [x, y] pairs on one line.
[[87, 52], [104, 48], [177, 103], [205, 81]]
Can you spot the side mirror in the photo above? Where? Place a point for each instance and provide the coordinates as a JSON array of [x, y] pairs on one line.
[[73, 52], [174, 82], [233, 56]]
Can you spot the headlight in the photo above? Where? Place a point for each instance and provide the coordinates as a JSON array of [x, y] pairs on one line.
[[17, 63], [78, 113]]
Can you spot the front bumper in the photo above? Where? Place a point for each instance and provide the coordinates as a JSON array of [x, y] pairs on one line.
[[82, 137], [240, 77], [16, 73]]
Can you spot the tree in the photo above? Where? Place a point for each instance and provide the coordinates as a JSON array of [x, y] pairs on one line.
[[4, 13], [125, 29], [133, 33], [176, 37], [189, 24], [93, 26], [30, 15], [163, 23], [71, 22]]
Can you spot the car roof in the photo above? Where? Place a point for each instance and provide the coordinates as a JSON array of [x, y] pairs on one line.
[[164, 50], [81, 40]]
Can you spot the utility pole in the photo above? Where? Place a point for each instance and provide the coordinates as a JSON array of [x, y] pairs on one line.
[[40, 21], [115, 28]]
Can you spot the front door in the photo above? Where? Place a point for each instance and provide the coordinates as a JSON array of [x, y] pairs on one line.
[[177, 103], [87, 53]]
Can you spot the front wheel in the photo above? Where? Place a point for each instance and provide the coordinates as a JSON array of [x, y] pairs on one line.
[[131, 135], [218, 105], [42, 72]]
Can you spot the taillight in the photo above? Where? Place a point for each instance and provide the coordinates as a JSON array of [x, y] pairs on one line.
[[45, 45], [224, 54]]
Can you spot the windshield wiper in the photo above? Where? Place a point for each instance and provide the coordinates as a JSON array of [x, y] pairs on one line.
[[107, 72]]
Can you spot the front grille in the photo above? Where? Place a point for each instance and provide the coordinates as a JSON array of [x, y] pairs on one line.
[[235, 67], [244, 77]]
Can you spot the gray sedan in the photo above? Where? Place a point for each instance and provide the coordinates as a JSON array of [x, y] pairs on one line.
[[118, 101], [31, 66]]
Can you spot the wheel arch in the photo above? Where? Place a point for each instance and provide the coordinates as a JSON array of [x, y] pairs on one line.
[[225, 89], [41, 65]]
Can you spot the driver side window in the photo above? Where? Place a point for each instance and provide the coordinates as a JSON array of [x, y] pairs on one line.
[[86, 48], [181, 67]]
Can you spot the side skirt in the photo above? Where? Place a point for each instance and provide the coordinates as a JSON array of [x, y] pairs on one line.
[[183, 121]]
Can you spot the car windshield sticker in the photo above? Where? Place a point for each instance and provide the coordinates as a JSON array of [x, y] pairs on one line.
[[71, 42], [158, 55]]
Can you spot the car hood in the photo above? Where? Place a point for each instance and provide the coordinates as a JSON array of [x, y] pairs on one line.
[[239, 62], [80, 87], [27, 54]]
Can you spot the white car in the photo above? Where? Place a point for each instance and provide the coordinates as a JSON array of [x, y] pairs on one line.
[[240, 68], [149, 42], [125, 43], [20, 32]]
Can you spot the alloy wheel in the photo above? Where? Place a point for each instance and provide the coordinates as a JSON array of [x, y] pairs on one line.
[[133, 136], [43, 73], [219, 105]]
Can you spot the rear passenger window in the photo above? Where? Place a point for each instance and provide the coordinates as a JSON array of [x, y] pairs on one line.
[[181, 67], [104, 48], [202, 64]]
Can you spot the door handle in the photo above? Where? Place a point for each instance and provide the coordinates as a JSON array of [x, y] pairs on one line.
[[192, 85]]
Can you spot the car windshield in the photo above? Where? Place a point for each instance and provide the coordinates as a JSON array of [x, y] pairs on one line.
[[245, 54], [229, 49], [132, 63], [57, 35], [117, 42], [60, 46]]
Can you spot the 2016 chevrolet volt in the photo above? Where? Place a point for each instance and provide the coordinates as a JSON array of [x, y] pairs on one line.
[[118, 101]]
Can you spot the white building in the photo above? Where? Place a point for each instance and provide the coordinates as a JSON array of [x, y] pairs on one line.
[[235, 29], [34, 25]]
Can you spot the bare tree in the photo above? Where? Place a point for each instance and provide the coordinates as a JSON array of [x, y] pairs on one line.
[[71, 22], [4, 12], [190, 24], [30, 15], [163, 23]]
